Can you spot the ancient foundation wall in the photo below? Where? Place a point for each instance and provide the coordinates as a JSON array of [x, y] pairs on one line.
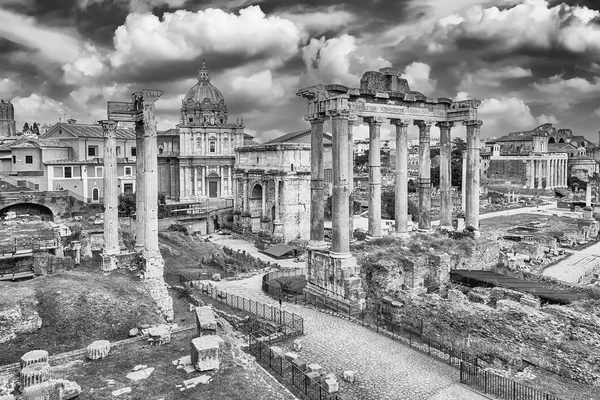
[[500, 171]]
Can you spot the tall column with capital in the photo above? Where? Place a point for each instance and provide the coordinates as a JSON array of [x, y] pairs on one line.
[[111, 196], [277, 225], [540, 174], [463, 190], [401, 205], [140, 190], [473, 149], [445, 174], [340, 244], [531, 165], [246, 205], [374, 230], [424, 182], [351, 121], [317, 187]]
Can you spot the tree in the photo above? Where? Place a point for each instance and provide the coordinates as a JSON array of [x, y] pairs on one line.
[[127, 203], [25, 127], [412, 186], [388, 206], [35, 129], [434, 174], [328, 207]]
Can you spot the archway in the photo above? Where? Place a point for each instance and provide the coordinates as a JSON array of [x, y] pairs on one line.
[[256, 200], [561, 140], [95, 194], [31, 209], [551, 140]]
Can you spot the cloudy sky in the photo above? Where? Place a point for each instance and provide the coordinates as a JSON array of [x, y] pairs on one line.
[[529, 61]]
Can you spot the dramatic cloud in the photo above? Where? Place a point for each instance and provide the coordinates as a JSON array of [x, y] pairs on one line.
[[316, 22], [38, 108], [566, 92], [597, 112], [418, 76], [494, 77]]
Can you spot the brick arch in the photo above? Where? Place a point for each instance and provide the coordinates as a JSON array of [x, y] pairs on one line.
[[45, 209]]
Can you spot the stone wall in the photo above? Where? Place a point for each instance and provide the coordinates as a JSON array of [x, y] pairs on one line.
[[20, 316], [500, 171], [46, 264], [505, 328]]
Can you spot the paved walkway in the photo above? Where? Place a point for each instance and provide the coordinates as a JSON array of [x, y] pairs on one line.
[[386, 369]]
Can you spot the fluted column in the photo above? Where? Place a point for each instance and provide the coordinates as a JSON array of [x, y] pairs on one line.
[[204, 189], [264, 199], [110, 195], [229, 182], [424, 181], [401, 204], [222, 177], [351, 121], [374, 229], [340, 244], [317, 177], [473, 148], [548, 174], [246, 205], [445, 174], [195, 180], [532, 174]]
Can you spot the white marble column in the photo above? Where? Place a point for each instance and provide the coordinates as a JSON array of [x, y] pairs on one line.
[[264, 199], [195, 178], [401, 204], [110, 194], [229, 182], [473, 167], [531, 174], [222, 175], [548, 174], [203, 171], [374, 227]]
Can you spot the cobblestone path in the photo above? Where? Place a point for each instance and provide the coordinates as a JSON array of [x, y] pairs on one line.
[[386, 369]]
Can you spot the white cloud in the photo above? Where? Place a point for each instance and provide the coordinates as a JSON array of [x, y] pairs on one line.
[[40, 109], [88, 64], [566, 92], [257, 88], [316, 22], [530, 24], [597, 112], [508, 114], [185, 35], [418, 76], [339, 60], [493, 77], [8, 88]]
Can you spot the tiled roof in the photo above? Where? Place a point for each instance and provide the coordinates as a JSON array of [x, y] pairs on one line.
[[88, 130], [516, 138], [561, 146], [99, 161], [168, 132], [32, 143], [302, 136]]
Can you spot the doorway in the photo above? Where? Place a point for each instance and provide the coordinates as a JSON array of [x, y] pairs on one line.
[[212, 189]]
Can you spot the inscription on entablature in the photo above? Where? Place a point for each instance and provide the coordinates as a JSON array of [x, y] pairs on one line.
[[400, 110]]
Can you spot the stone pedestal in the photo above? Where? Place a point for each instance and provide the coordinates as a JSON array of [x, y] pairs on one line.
[[206, 323], [34, 357], [206, 352], [331, 385], [160, 334], [98, 349], [588, 212], [337, 278], [278, 230], [76, 245], [109, 262], [35, 374], [264, 224]]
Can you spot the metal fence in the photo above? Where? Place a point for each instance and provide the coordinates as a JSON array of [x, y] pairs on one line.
[[291, 323], [499, 386], [290, 374]]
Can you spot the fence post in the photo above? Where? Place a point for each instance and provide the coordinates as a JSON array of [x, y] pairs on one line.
[[514, 392], [485, 381], [461, 371], [349, 311], [428, 346]]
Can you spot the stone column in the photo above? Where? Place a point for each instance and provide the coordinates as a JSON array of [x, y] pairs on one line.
[[277, 225], [222, 175], [140, 189], [111, 196], [340, 244], [351, 121], [531, 167], [153, 262], [246, 205], [195, 179], [229, 181], [374, 230], [317, 187], [473, 148], [264, 199], [540, 174], [424, 182], [463, 191], [401, 204], [445, 175], [204, 189]]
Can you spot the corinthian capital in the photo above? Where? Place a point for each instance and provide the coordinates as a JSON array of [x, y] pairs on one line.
[[109, 128], [315, 118], [473, 122], [404, 122], [424, 125], [445, 124], [338, 113], [375, 120]]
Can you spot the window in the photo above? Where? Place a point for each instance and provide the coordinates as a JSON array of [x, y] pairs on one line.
[[190, 119], [133, 151], [99, 172], [95, 194], [212, 147], [14, 159], [68, 172], [127, 170], [118, 151], [92, 151], [28, 159]]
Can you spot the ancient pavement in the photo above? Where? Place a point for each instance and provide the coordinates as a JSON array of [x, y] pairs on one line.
[[387, 370]]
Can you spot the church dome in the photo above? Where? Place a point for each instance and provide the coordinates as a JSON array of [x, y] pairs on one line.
[[204, 104]]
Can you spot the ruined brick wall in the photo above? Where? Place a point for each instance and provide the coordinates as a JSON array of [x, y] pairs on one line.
[[506, 328]]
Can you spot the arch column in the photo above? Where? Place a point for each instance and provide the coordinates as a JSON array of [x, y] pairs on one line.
[[374, 230], [340, 244], [401, 203], [473, 148], [424, 182], [111, 196], [317, 177], [445, 175]]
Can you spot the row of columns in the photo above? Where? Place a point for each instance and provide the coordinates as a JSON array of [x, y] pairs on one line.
[[191, 176], [342, 122], [554, 170]]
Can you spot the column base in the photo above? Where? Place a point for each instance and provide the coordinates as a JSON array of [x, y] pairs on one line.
[[317, 245], [278, 229], [109, 262], [153, 265], [370, 238], [337, 255], [424, 230], [401, 235]]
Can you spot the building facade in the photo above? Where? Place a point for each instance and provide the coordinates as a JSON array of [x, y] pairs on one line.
[[196, 159], [8, 125]]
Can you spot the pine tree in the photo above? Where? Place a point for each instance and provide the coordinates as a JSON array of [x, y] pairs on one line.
[[25, 127], [35, 129]]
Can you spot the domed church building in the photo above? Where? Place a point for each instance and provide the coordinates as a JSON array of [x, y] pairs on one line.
[[195, 160]]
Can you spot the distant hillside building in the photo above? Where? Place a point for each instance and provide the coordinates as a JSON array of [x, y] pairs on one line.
[[8, 125], [195, 160]]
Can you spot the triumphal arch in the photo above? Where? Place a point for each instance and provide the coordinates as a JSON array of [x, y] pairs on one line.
[[382, 96]]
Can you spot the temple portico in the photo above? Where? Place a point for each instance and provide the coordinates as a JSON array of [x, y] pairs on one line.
[[382, 96]]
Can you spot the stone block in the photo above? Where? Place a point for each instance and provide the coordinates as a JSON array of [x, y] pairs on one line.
[[331, 385], [33, 357], [315, 368], [291, 356], [456, 296], [216, 277], [349, 376], [50, 390], [160, 334], [140, 374], [297, 345], [206, 322], [34, 374], [300, 364], [277, 351], [98, 349], [206, 352], [313, 376], [121, 391]]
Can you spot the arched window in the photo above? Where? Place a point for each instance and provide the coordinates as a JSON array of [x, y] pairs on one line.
[[95, 194], [160, 149]]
